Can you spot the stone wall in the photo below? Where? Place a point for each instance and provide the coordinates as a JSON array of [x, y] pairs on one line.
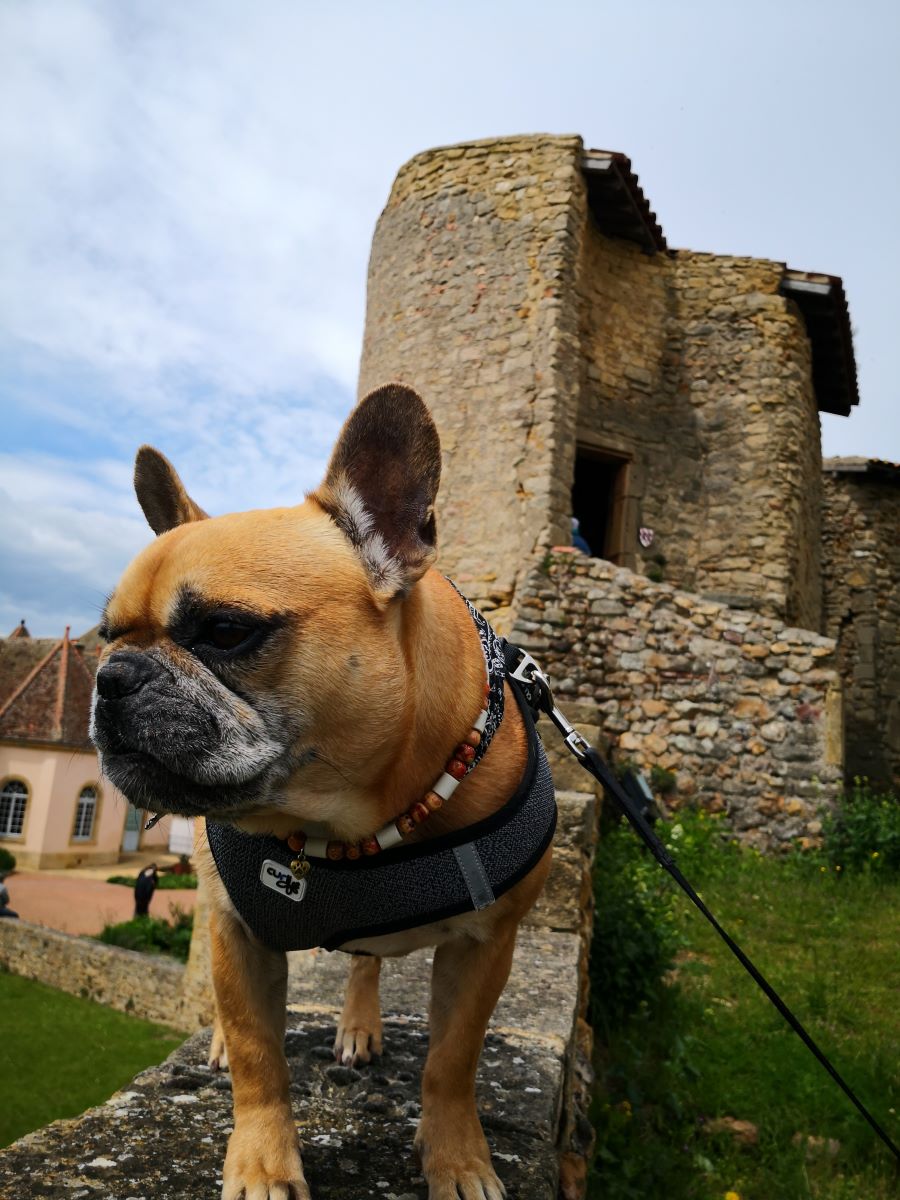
[[745, 370], [743, 711], [862, 610], [700, 371], [142, 985]]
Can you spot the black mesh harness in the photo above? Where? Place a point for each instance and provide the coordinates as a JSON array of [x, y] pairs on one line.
[[406, 886]]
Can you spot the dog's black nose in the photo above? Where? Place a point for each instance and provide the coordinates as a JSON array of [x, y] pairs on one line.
[[123, 674]]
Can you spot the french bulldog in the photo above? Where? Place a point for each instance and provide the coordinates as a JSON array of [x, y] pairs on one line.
[[306, 669]]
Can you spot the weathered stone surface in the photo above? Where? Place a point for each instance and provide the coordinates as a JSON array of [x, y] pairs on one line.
[[164, 1137], [545, 964]]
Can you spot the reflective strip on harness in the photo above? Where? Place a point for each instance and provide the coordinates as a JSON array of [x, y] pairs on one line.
[[473, 873]]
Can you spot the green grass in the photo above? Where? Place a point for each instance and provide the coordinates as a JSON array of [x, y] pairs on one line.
[[711, 1045], [60, 1054]]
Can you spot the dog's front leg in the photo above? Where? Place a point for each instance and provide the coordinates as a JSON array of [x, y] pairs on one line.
[[263, 1159], [359, 1029], [467, 979]]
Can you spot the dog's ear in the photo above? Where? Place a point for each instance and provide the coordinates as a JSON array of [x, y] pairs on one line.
[[381, 485], [161, 493]]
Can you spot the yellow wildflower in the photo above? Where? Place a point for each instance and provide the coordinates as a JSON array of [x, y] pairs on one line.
[[732, 1196]]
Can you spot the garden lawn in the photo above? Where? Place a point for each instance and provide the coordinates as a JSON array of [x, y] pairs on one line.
[[60, 1054], [711, 1046]]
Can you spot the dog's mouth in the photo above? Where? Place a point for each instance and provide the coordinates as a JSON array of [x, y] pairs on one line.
[[150, 785]]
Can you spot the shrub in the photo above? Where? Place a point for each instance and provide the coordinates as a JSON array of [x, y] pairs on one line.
[[662, 781], [634, 940], [7, 861], [704, 848], [166, 882], [635, 937], [863, 832], [153, 935]]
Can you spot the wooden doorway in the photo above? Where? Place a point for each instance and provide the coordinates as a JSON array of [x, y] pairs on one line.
[[599, 495]]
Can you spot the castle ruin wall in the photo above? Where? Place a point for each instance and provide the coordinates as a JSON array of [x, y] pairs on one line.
[[492, 291], [697, 367], [741, 710], [862, 611]]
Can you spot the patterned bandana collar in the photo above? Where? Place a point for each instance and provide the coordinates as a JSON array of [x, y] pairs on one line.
[[495, 665]]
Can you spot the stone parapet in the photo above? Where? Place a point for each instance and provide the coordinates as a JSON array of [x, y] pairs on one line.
[[143, 985], [165, 1134], [737, 711]]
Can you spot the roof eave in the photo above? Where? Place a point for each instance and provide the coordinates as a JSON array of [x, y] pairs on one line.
[[617, 201], [823, 305]]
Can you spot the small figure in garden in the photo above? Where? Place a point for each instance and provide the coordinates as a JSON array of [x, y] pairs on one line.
[[144, 889]]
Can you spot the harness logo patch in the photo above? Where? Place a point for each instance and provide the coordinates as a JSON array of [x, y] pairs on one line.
[[280, 880]]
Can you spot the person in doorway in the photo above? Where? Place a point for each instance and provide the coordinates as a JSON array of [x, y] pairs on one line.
[[144, 889], [578, 539]]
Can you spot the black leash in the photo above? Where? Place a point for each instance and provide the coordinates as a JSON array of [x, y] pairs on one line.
[[534, 684]]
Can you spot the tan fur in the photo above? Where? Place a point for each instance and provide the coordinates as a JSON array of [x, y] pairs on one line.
[[387, 681]]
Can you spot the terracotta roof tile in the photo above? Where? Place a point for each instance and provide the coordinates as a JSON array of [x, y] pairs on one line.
[[45, 691]]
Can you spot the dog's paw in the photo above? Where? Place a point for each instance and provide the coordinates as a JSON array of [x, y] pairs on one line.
[[263, 1162], [357, 1042], [218, 1055], [456, 1163]]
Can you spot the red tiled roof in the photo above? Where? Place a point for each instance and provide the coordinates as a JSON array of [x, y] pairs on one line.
[[45, 691]]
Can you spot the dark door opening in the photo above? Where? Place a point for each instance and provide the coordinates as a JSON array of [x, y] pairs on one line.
[[598, 501]]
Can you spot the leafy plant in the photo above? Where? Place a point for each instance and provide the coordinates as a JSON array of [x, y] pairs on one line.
[[863, 832], [661, 780], [7, 861], [153, 935], [634, 940]]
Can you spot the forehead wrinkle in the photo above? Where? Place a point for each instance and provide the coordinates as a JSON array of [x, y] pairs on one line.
[[268, 559]]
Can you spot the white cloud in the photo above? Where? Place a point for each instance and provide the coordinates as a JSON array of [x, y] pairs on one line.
[[189, 192]]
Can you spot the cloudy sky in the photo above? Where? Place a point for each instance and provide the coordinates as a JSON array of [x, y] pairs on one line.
[[189, 191]]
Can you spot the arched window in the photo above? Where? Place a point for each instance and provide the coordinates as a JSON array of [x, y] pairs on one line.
[[13, 800], [85, 811]]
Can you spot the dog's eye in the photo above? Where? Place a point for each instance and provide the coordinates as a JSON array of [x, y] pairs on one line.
[[224, 635]]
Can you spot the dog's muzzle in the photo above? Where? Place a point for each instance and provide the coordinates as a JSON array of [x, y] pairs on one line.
[[179, 742]]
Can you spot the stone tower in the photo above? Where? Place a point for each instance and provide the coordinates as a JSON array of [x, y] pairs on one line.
[[525, 288]]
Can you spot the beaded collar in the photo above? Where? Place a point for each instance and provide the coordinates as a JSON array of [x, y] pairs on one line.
[[465, 756]]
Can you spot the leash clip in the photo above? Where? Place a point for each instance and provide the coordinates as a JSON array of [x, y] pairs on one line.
[[536, 686], [534, 682]]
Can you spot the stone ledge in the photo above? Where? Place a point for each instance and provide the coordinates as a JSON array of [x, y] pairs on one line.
[[164, 1136], [148, 986], [545, 965]]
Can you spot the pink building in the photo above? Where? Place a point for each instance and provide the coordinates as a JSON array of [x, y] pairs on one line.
[[55, 810]]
